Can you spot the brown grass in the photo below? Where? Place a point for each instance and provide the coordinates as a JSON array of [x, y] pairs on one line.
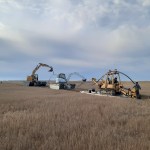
[[43, 119]]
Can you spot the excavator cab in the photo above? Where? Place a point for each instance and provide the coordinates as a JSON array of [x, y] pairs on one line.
[[61, 78], [33, 79]]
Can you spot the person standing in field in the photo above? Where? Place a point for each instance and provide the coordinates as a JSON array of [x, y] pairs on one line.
[[137, 88]]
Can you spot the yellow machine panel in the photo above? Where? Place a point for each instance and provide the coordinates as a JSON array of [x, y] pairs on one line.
[[29, 78]]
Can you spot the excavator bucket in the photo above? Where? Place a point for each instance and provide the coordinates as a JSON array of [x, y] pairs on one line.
[[84, 80], [50, 70]]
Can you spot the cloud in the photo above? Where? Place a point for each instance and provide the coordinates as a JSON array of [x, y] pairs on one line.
[[2, 26], [146, 3], [95, 34]]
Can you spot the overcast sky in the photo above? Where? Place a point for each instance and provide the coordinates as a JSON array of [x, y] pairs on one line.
[[86, 36]]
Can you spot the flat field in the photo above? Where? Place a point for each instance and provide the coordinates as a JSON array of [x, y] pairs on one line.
[[34, 118]]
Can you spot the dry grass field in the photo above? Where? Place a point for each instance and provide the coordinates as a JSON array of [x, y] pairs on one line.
[[33, 118]]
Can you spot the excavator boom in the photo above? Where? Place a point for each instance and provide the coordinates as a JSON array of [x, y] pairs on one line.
[[41, 65], [77, 74]]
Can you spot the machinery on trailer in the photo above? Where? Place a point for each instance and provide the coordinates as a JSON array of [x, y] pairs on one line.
[[33, 78], [62, 82], [110, 83]]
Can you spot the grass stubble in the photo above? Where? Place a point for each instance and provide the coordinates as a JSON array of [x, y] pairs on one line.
[[42, 119]]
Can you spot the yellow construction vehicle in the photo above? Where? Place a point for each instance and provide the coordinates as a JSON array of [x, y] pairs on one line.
[[110, 83], [33, 78]]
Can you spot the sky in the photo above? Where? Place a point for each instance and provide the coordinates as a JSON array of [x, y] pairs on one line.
[[85, 36]]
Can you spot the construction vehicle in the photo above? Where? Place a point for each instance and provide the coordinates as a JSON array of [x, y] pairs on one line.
[[33, 78], [110, 83], [62, 82]]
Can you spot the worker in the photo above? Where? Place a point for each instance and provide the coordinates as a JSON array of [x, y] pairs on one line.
[[137, 88], [109, 81], [115, 80]]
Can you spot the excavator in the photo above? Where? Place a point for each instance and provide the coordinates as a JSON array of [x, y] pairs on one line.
[[33, 78], [62, 82], [110, 83]]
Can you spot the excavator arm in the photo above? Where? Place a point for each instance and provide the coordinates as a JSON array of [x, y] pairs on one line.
[[41, 65], [77, 74]]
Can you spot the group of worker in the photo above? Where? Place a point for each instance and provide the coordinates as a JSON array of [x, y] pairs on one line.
[[115, 80]]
